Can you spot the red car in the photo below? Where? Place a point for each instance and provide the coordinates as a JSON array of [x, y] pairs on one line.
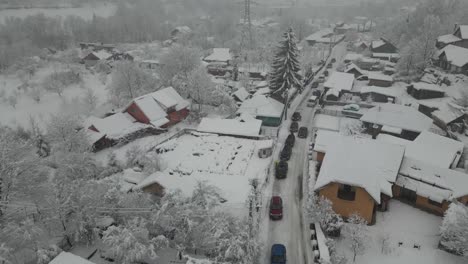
[[276, 208]]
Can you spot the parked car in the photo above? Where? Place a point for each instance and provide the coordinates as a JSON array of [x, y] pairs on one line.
[[276, 208], [281, 169], [321, 78], [315, 84], [296, 116], [290, 140], [286, 153], [294, 127], [330, 65], [278, 254], [333, 60], [303, 132], [326, 73], [317, 93], [351, 107], [312, 101]]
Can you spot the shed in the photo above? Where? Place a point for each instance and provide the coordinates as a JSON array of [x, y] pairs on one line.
[[422, 90], [452, 58], [378, 94], [383, 46], [378, 79]]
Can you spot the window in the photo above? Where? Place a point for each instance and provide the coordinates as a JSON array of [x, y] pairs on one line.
[[347, 192], [432, 202]]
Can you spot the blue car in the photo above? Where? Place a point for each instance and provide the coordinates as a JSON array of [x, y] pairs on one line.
[[278, 254]]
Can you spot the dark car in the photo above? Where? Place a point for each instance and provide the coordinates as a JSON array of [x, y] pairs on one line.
[[317, 93], [276, 208], [315, 85], [290, 140], [294, 127], [296, 116], [281, 169], [303, 132], [326, 73], [333, 60], [286, 153], [330, 65], [278, 254]]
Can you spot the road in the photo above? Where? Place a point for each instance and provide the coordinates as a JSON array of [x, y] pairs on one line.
[[290, 230]]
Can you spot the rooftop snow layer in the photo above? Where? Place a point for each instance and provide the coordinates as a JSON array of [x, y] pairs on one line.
[[447, 39], [116, 126], [380, 76], [427, 86], [364, 163], [150, 108], [320, 34], [455, 55], [219, 54], [448, 112], [400, 116], [377, 43], [379, 90], [463, 31], [69, 258], [340, 81], [241, 94], [260, 105], [233, 127], [324, 139]]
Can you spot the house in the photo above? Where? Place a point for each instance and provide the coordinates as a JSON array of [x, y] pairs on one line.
[[355, 70], [151, 185], [240, 95], [359, 180], [458, 38], [180, 31], [162, 108], [404, 121], [378, 94], [324, 36], [342, 28], [340, 83], [422, 90], [69, 258], [254, 71], [114, 129], [94, 57], [446, 114], [219, 55], [263, 108], [332, 95], [383, 46], [265, 148], [231, 127], [323, 140], [452, 58], [378, 79]]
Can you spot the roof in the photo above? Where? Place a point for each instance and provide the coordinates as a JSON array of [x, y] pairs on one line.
[[233, 127], [152, 179], [102, 54], [393, 140], [219, 54], [427, 86], [455, 55], [448, 112], [400, 116], [152, 110], [366, 163], [69, 258], [320, 34], [260, 105], [377, 43], [447, 39], [241, 94], [433, 182], [380, 76], [115, 126], [353, 66], [340, 81], [265, 144], [379, 90], [324, 139], [463, 31], [386, 55], [353, 57], [169, 97], [393, 130], [434, 149]]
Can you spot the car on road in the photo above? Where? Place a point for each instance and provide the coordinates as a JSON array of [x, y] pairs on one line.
[[321, 78], [330, 65], [290, 140], [281, 169], [286, 153], [276, 208], [314, 84], [312, 101], [333, 60], [296, 116], [294, 127], [278, 254], [303, 132], [317, 93], [326, 73]]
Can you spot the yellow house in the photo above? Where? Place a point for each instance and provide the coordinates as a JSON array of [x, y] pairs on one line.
[[357, 175]]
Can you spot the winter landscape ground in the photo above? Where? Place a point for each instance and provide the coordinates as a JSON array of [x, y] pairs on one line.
[[208, 131]]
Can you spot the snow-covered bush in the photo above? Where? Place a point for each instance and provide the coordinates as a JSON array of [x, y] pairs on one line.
[[454, 229], [320, 210]]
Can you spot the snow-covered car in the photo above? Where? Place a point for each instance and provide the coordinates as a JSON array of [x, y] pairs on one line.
[[296, 116], [286, 153], [321, 78], [303, 132], [294, 127], [351, 107], [290, 140], [276, 208], [281, 169]]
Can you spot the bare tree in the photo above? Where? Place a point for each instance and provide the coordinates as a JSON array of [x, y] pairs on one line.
[[356, 231]]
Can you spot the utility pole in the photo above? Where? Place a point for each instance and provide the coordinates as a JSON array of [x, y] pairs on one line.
[[246, 27]]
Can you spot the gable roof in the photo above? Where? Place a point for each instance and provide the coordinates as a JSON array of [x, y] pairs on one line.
[[69, 258], [379, 90], [219, 54], [427, 86], [448, 112], [364, 163], [377, 43], [324, 139], [448, 39], [320, 34], [463, 31], [399, 116], [380, 76], [235, 127], [169, 97], [353, 66], [455, 55], [115, 126], [340, 81], [241, 94], [152, 110], [260, 105]]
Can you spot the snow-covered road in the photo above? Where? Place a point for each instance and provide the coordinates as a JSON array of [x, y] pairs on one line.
[[291, 231]]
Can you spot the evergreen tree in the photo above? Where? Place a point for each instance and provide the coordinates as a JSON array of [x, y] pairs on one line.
[[285, 66]]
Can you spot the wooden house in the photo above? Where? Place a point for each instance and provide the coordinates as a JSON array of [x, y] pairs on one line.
[[378, 94], [378, 79], [422, 90], [383, 46], [452, 59], [458, 38]]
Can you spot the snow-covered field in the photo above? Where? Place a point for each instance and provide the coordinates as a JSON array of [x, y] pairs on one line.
[[406, 224]]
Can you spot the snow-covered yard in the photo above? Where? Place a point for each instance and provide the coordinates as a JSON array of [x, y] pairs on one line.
[[406, 224]]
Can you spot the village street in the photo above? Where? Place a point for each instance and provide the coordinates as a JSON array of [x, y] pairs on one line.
[[291, 230]]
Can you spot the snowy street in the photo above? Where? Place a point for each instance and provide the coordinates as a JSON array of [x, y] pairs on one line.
[[291, 230]]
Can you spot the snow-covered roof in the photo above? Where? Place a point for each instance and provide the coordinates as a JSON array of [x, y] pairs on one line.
[[183, 29], [115, 126], [320, 34], [393, 140], [353, 66], [463, 31], [327, 122], [400, 116], [448, 112], [233, 127], [366, 163], [379, 90], [427, 86], [324, 139], [455, 55], [132, 176], [220, 55], [340, 81], [265, 144], [260, 105], [147, 181], [431, 181], [377, 43], [152, 110], [393, 130], [69, 258], [447, 39], [102, 54], [380, 77], [169, 97], [353, 57], [434, 149], [241, 94], [386, 55]]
